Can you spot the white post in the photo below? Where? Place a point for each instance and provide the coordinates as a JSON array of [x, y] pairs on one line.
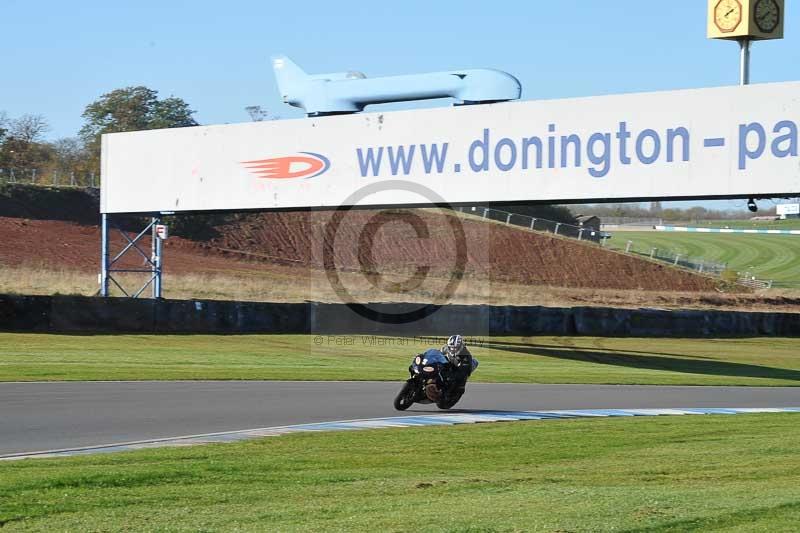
[[156, 258], [744, 61], [104, 255], [628, 247]]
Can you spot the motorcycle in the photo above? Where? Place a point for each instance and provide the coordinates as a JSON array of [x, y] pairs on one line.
[[431, 381]]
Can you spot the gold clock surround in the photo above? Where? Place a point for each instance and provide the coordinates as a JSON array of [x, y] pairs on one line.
[[727, 15]]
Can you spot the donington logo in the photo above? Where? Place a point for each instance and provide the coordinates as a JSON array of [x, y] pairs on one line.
[[302, 165]]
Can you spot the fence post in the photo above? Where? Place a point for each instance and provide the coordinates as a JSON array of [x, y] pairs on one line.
[[72, 178], [555, 232], [653, 253], [508, 219], [580, 234], [485, 212], [677, 256], [628, 247], [533, 222], [33, 177], [702, 264]]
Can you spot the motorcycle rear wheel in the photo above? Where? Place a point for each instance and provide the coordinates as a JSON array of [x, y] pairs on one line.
[[404, 398], [450, 400]]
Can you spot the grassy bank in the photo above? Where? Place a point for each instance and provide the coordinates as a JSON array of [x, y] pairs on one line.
[[732, 473], [29, 357], [773, 257]]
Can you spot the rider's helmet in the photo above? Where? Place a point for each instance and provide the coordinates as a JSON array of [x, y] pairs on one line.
[[454, 346]]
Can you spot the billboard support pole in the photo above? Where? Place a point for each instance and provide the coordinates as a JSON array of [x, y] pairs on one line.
[[104, 255], [107, 268], [156, 259]]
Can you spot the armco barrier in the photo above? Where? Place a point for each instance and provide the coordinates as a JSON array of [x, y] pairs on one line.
[[79, 314]]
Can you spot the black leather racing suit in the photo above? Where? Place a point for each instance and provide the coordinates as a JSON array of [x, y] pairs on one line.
[[461, 368]]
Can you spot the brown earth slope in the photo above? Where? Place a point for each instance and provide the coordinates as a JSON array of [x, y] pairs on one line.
[[493, 252], [48, 243]]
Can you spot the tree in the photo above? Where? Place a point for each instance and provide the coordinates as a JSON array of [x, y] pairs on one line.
[[131, 109], [3, 126], [556, 213], [22, 146], [29, 128], [259, 114], [68, 154]]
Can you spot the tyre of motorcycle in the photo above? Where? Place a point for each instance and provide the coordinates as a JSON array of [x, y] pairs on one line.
[[405, 398], [449, 400]]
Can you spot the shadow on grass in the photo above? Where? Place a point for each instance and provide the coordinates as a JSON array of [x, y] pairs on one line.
[[501, 345], [653, 362]]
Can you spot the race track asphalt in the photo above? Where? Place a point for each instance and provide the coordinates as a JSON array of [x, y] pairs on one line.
[[57, 415]]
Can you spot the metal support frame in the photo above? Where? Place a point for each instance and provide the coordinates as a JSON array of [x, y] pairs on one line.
[[154, 261]]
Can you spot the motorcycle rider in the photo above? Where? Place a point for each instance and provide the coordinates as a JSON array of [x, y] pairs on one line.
[[460, 360]]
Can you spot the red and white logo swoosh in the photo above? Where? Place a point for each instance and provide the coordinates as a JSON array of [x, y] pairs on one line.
[[302, 165]]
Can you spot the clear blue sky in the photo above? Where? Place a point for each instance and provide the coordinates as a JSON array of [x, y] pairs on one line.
[[60, 56]]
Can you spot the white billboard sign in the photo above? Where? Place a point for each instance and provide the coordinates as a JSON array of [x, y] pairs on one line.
[[787, 209], [706, 143]]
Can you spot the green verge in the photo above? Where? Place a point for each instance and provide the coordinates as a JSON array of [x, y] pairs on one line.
[[691, 473], [773, 257], [791, 223], [758, 361]]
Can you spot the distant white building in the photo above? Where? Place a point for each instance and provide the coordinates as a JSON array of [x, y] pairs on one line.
[[785, 211]]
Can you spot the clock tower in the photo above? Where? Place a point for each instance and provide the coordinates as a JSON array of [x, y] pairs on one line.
[[745, 19]]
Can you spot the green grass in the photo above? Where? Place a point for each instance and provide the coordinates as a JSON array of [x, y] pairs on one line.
[[691, 473], [773, 257], [759, 361], [792, 223]]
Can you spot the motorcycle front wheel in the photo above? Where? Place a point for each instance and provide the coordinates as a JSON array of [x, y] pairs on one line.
[[405, 398]]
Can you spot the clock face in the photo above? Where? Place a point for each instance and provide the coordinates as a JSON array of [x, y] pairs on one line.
[[767, 14], [727, 15]]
